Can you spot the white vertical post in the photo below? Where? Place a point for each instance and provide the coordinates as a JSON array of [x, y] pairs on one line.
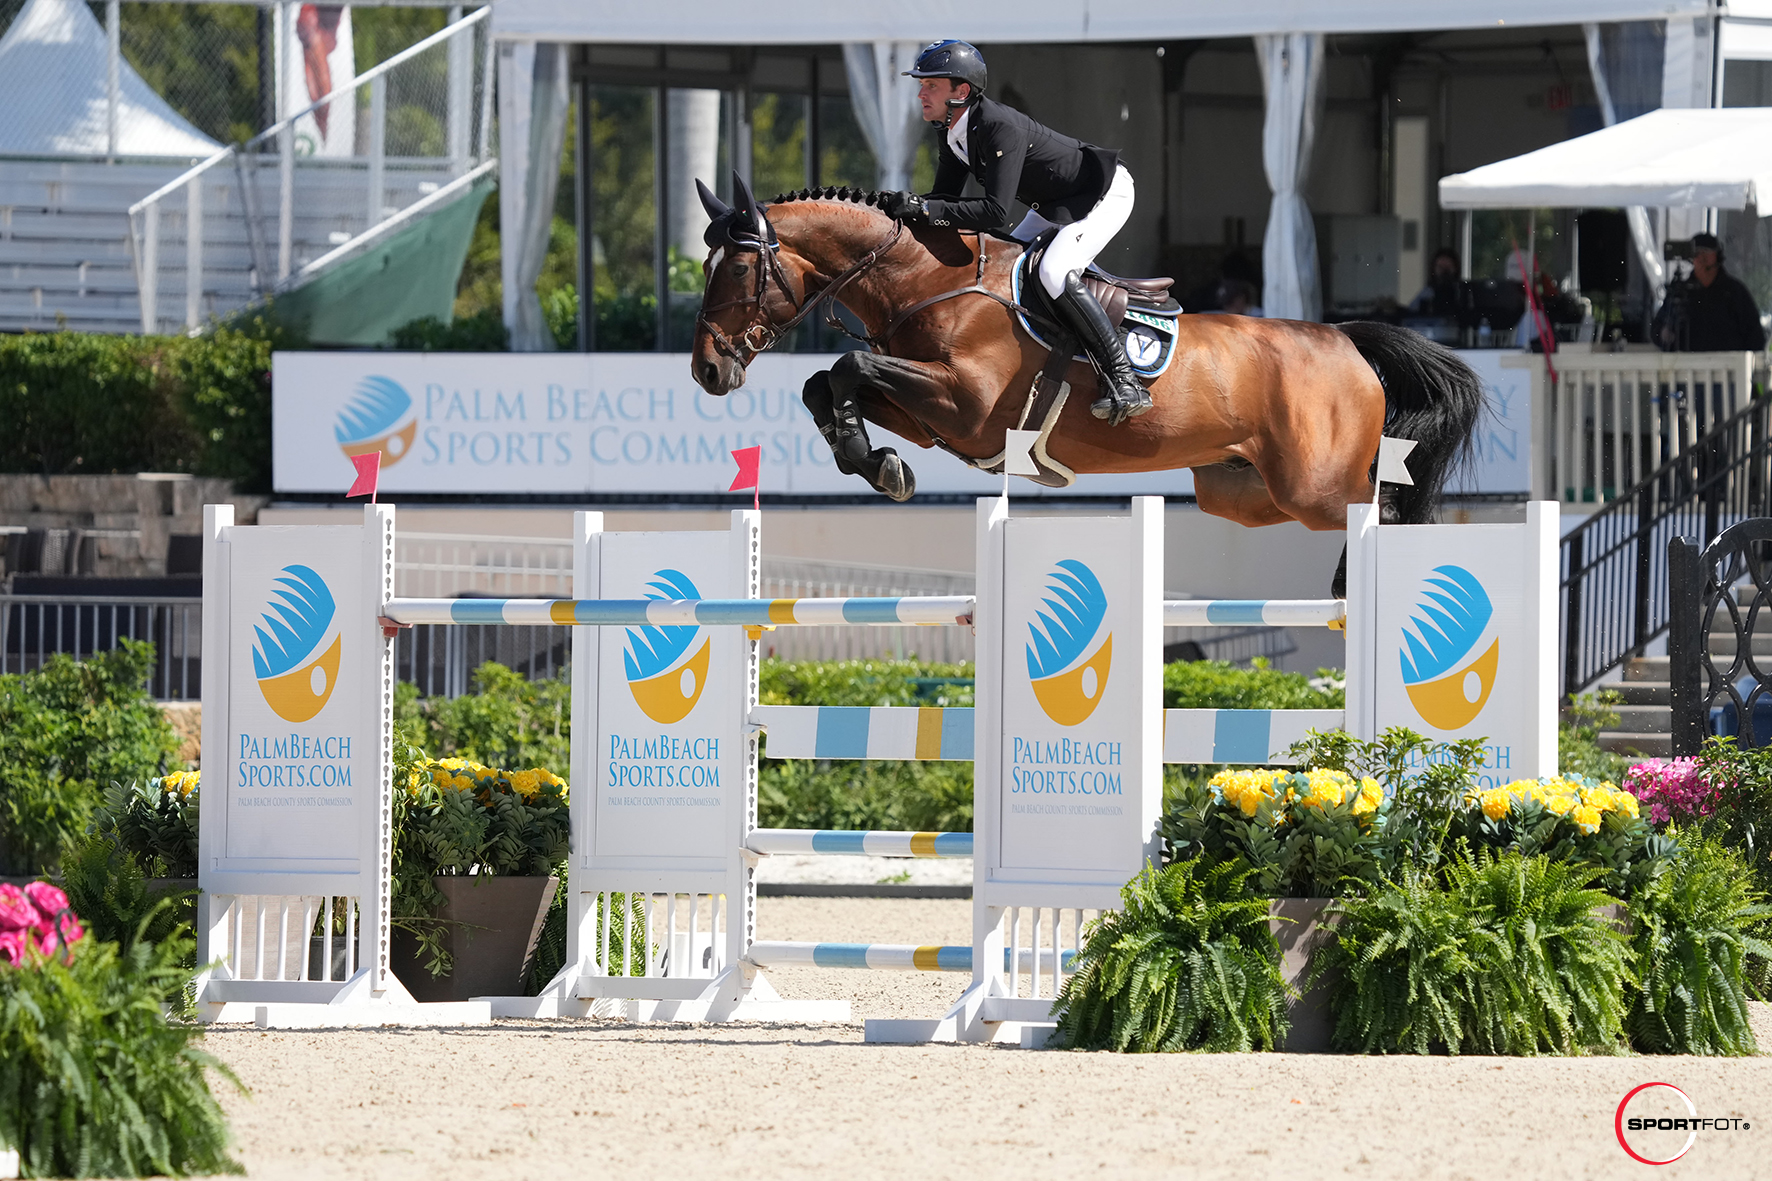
[[285, 199], [375, 916], [1147, 663], [1541, 563], [460, 93], [581, 906], [378, 129], [213, 938], [113, 55], [194, 252], [487, 71], [745, 558], [150, 282], [987, 747], [1362, 620]]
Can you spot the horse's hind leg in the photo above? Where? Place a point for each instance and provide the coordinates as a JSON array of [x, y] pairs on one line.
[[1236, 492]]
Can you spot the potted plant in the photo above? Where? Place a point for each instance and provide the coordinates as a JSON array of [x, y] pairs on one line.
[[477, 852]]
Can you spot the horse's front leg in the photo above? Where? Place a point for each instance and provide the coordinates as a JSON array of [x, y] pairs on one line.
[[897, 380]]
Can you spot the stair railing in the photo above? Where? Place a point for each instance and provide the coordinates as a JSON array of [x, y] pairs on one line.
[[1614, 564], [441, 140]]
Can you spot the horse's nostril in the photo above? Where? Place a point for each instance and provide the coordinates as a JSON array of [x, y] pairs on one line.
[[710, 373]]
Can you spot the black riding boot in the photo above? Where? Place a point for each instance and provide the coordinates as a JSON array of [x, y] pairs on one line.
[[1123, 396]]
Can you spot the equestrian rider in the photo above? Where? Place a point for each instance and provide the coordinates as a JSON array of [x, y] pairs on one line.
[[1081, 188]]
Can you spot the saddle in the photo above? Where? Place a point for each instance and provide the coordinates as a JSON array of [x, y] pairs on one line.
[[1113, 292]]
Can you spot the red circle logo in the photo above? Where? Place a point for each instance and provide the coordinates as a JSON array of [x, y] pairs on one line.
[[1618, 1125]]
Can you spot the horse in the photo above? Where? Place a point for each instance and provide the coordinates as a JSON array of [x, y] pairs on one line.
[[1279, 420]]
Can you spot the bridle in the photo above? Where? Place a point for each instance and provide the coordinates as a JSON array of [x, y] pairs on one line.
[[764, 334]]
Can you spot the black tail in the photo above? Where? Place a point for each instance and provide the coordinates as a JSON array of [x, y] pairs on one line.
[[1430, 396]]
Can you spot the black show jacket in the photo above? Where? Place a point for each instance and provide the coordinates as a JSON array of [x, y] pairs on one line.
[[1013, 157]]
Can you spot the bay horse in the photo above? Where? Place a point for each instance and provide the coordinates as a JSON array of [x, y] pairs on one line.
[[1279, 420]]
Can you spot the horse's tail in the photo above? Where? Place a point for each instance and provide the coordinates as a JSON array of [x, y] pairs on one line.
[[1431, 396]]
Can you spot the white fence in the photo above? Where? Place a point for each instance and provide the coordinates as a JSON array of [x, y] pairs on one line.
[[261, 217], [1608, 419]]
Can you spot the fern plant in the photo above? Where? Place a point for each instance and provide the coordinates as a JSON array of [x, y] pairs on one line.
[[1693, 934], [1507, 957], [94, 1082], [1188, 963]]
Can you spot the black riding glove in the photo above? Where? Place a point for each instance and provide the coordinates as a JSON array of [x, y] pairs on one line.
[[906, 207]]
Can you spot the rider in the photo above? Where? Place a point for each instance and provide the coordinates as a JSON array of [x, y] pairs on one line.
[[1081, 188]]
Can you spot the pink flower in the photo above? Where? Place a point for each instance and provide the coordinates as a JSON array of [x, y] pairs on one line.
[[1673, 789], [16, 911], [13, 943], [65, 932], [47, 898]]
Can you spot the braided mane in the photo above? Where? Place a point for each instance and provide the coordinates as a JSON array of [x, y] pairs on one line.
[[841, 193]]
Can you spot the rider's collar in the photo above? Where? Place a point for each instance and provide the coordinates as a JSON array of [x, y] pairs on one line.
[[956, 133]]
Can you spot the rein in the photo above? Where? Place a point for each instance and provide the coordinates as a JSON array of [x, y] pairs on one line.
[[762, 336]]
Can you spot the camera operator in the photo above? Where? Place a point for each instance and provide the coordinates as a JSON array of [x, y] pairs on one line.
[[1710, 312]]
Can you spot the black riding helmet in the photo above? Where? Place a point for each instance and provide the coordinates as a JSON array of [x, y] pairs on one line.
[[958, 60]]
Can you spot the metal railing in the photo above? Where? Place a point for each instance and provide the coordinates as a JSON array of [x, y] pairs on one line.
[[1719, 663], [261, 217], [1614, 565], [34, 628], [1609, 420]]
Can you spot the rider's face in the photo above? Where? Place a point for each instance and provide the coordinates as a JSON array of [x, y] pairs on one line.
[[934, 93]]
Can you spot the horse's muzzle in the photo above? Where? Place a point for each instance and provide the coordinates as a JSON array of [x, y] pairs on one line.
[[718, 375]]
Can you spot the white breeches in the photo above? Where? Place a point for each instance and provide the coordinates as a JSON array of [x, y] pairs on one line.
[[1077, 244]]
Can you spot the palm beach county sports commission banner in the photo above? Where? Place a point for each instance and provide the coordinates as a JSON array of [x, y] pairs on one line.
[[611, 423]]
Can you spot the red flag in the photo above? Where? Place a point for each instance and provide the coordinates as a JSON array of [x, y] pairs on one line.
[[750, 463], [368, 471]]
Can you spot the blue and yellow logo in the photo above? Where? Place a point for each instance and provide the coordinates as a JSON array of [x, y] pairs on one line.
[[1450, 620], [297, 617], [1068, 684], [666, 686], [370, 421]]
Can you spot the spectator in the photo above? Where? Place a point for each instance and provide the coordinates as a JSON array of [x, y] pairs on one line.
[[1711, 312], [1444, 286], [1236, 297]]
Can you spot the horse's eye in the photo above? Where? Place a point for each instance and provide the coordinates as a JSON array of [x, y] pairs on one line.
[[741, 268]]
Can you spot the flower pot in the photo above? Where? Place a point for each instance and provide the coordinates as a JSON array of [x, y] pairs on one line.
[[1300, 927], [492, 924], [339, 967]]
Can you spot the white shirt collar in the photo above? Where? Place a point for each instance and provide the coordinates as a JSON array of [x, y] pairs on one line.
[[957, 135]]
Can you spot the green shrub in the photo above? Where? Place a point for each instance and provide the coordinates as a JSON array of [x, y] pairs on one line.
[[94, 1081], [1218, 684], [1691, 940], [64, 730], [1304, 834], [1578, 742], [80, 403], [1189, 963], [482, 332], [154, 823], [1507, 957], [508, 721]]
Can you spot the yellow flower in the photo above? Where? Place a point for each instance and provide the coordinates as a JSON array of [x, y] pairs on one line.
[[1371, 795], [1325, 787], [1586, 818], [1561, 804], [1623, 801], [1496, 802]]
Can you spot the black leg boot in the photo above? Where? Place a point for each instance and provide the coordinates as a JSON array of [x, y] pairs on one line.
[[1123, 396]]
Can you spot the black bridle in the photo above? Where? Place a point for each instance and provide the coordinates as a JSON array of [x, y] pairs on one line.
[[764, 334]]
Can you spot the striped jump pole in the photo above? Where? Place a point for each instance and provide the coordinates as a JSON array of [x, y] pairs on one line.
[[884, 612], [854, 843], [895, 612], [880, 957]]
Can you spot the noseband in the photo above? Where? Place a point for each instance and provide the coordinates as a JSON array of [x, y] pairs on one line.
[[764, 334]]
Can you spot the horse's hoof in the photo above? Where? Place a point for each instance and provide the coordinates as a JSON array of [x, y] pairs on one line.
[[895, 478]]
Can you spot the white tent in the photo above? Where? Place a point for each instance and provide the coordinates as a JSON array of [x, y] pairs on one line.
[[55, 92], [1667, 159]]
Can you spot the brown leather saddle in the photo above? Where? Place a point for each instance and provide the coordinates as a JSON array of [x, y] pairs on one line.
[[1114, 293]]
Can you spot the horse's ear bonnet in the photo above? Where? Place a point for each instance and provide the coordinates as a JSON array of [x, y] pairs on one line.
[[741, 225]]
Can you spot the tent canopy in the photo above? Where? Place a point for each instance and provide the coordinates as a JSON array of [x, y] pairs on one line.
[[1668, 159], [782, 22], [54, 93]]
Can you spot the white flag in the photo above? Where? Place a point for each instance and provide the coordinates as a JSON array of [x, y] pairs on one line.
[[1391, 454], [1018, 453]]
